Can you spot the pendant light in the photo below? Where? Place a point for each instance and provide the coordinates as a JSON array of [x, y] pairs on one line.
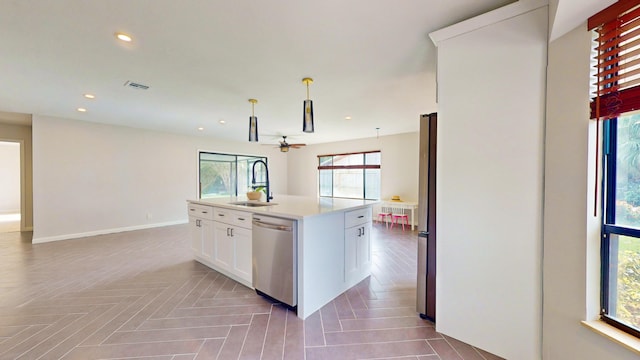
[[253, 123], [307, 116]]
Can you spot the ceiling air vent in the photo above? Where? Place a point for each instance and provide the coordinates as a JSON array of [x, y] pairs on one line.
[[135, 85]]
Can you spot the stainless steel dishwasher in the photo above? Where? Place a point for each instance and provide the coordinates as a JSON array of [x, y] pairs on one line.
[[274, 259]]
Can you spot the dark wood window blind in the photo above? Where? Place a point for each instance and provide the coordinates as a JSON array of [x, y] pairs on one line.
[[617, 52]]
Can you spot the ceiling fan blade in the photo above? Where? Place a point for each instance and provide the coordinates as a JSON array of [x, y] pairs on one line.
[[297, 145]]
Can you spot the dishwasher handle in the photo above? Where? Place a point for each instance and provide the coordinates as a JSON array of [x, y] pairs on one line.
[[272, 226]]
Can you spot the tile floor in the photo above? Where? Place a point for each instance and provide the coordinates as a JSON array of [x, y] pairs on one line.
[[139, 295]]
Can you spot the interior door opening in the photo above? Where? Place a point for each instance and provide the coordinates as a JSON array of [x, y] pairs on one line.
[[10, 203]]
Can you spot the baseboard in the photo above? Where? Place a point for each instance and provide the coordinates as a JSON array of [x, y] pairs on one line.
[[46, 239]]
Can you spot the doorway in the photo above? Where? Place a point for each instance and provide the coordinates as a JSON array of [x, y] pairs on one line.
[[10, 194]]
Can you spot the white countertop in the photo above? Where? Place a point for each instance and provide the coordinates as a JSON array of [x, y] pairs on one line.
[[289, 206]]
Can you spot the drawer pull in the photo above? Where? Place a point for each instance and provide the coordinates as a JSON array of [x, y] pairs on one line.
[[360, 217], [205, 212], [241, 219]]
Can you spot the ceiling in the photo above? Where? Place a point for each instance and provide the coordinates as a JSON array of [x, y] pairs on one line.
[[203, 59]]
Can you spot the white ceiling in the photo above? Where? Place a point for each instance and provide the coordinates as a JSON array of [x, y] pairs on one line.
[[371, 60]]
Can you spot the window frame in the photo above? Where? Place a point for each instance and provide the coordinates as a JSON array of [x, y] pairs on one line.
[[364, 167], [609, 227], [236, 159]]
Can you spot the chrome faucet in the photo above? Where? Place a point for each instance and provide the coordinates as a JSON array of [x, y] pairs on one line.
[[253, 176]]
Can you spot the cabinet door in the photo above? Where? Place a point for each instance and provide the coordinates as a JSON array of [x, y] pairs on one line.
[[351, 239], [242, 261], [196, 235], [364, 249], [222, 246], [206, 228]]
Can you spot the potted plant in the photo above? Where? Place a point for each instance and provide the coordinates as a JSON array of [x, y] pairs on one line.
[[256, 193]]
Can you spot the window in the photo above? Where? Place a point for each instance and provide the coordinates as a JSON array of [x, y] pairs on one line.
[[621, 229], [353, 176], [617, 97], [223, 175]]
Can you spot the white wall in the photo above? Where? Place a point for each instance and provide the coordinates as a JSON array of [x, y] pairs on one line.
[[567, 14], [571, 232], [91, 178], [399, 164], [9, 177], [490, 181]]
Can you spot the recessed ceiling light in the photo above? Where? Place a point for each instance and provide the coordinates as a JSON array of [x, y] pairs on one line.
[[222, 122], [200, 128], [81, 109], [124, 37], [89, 96], [347, 117]]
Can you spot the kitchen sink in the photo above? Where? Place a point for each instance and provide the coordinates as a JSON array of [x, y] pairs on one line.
[[252, 203]]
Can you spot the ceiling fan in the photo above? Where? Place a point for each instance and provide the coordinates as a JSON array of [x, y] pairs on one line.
[[284, 145]]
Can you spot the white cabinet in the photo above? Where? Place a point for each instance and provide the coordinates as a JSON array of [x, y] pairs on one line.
[[357, 246], [232, 244], [242, 246], [222, 247], [221, 239], [201, 226]]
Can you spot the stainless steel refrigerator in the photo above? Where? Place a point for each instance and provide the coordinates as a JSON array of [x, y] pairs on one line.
[[426, 287]]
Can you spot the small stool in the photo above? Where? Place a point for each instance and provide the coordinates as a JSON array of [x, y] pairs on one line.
[[384, 216], [396, 217]]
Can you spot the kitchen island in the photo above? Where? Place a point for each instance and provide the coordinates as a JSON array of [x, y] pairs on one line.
[[333, 247]]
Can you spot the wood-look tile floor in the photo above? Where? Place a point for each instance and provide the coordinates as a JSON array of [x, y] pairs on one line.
[[139, 295]]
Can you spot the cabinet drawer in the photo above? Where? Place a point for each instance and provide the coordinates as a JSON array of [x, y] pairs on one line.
[[357, 217], [222, 215], [238, 218], [201, 211], [242, 219]]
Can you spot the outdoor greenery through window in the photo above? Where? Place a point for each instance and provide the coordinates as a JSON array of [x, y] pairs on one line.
[[353, 176], [224, 175], [621, 230]]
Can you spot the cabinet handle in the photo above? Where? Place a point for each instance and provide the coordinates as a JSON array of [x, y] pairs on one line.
[[197, 223], [360, 217], [241, 219], [227, 231], [231, 232], [222, 215], [359, 232], [205, 212], [192, 209]]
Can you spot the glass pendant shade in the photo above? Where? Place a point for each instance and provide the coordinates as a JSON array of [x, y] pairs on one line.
[[307, 115], [253, 123], [253, 128], [307, 120]]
